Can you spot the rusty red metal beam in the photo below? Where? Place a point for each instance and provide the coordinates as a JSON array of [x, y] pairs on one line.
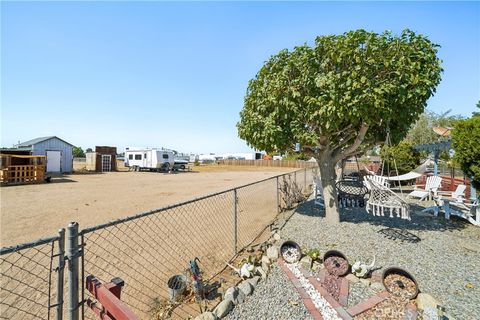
[[108, 295]]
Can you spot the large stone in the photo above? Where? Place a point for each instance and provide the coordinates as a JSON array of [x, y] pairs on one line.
[[206, 316], [223, 308], [306, 262], [254, 281], [265, 263], [276, 236], [352, 278], [245, 287], [424, 301], [272, 253], [235, 295], [262, 273]]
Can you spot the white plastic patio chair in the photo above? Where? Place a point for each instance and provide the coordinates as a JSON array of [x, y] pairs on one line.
[[458, 195], [469, 212], [431, 187]]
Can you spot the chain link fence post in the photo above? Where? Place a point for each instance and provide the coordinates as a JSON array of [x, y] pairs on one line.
[[72, 257], [235, 226], [60, 270], [278, 197]]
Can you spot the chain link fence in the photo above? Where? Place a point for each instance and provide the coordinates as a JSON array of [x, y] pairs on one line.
[[145, 251], [31, 282]]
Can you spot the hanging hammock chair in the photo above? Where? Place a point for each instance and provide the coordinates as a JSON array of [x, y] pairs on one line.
[[383, 201]]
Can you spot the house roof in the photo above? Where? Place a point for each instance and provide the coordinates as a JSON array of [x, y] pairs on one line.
[[38, 140]]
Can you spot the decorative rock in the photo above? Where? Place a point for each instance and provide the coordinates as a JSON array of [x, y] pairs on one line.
[[352, 278], [265, 263], [206, 316], [306, 261], [276, 237], [235, 295], [223, 308], [246, 288], [424, 301], [272, 253], [262, 273], [254, 281], [365, 282]]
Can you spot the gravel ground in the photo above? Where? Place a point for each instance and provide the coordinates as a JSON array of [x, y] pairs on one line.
[[358, 292], [274, 298], [443, 256]]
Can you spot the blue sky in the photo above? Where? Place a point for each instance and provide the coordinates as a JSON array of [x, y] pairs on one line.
[[175, 74]]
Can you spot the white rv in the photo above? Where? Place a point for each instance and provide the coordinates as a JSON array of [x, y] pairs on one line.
[[149, 159]]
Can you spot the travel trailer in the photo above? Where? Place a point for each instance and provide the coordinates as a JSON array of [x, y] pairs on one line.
[[138, 159]]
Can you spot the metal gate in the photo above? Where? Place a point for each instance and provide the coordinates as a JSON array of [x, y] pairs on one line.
[[106, 162]]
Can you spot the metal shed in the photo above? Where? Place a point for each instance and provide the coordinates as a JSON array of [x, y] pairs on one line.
[[59, 153]]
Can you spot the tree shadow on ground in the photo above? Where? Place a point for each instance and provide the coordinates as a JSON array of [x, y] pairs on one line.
[[419, 222]]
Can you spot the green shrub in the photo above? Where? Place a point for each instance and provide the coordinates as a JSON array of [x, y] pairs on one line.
[[466, 143], [405, 156]]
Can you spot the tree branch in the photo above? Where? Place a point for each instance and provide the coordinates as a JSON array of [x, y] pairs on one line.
[[358, 141], [344, 142]]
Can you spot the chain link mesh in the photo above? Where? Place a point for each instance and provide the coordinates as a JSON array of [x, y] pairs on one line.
[[148, 249], [27, 274]]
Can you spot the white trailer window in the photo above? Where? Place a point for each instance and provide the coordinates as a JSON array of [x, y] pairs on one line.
[[165, 156], [130, 157], [138, 157]]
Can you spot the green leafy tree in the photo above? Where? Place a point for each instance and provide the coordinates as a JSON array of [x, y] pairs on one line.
[[465, 138], [476, 113], [401, 156], [422, 132], [78, 152], [339, 95]]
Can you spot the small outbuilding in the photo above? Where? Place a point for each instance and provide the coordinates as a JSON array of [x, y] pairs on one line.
[[104, 159], [58, 153]]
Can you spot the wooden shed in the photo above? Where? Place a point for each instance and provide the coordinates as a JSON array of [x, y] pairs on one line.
[[20, 166], [104, 159]]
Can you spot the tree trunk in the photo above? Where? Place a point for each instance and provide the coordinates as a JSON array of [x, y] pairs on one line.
[[339, 169], [326, 163]]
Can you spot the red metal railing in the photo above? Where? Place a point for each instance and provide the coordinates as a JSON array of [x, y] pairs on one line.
[[449, 183], [108, 305]]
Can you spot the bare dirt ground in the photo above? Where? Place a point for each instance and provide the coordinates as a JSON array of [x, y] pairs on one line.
[[29, 212]]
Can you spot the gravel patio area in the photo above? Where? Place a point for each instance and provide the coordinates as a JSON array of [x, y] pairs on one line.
[[443, 256]]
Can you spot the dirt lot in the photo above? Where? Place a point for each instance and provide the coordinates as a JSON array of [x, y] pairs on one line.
[[29, 212]]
